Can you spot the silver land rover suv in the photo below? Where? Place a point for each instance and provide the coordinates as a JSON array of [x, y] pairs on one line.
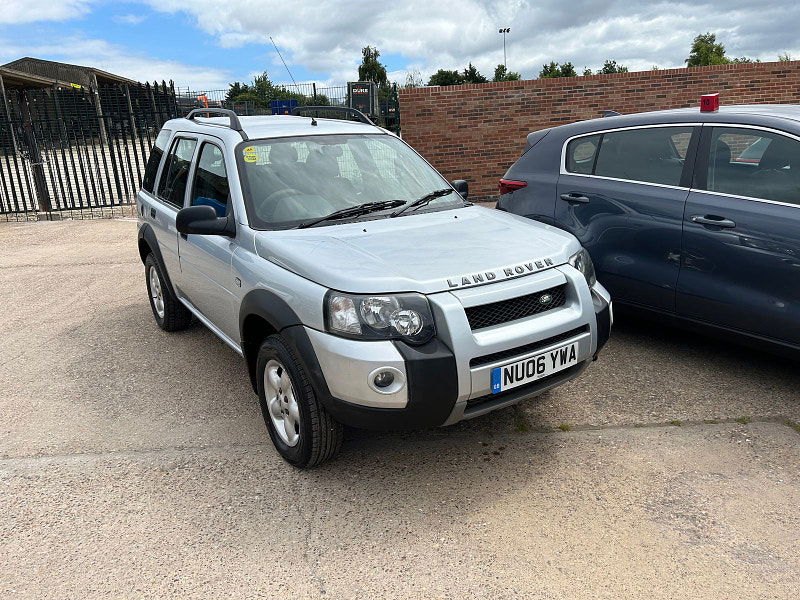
[[360, 286]]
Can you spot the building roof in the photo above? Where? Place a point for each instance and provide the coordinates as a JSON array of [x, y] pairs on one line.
[[19, 79], [65, 71]]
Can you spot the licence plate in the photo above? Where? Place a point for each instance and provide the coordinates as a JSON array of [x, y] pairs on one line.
[[530, 369]]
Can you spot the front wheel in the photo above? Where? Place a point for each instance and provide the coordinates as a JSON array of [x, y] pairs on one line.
[[168, 311], [303, 432]]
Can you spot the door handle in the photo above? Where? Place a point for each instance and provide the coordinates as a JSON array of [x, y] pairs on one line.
[[152, 212], [575, 198], [713, 220]]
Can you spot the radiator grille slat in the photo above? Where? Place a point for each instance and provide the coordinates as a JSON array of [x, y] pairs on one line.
[[512, 309]]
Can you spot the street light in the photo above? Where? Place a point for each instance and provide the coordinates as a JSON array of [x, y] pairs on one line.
[[504, 31]]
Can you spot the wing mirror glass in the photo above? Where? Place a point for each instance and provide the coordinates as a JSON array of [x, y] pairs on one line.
[[203, 220], [462, 187]]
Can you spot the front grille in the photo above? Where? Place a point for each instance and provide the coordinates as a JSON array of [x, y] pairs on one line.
[[527, 348], [504, 311]]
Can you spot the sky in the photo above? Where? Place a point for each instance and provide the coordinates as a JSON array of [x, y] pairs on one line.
[[206, 45]]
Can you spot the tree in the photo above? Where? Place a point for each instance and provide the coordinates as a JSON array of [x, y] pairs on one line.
[[413, 79], [445, 77], [785, 57], [745, 60], [611, 66], [587, 71], [262, 91], [706, 51], [371, 68], [553, 69], [501, 73], [472, 75]]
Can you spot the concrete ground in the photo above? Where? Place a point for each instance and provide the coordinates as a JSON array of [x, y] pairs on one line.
[[135, 464]]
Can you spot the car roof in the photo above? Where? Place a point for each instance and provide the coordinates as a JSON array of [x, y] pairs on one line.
[[738, 112], [271, 126]]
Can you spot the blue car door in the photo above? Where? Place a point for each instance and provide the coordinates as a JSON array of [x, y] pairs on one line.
[[741, 246], [622, 194]]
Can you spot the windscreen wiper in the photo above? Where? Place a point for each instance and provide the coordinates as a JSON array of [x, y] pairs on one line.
[[423, 201], [353, 211]]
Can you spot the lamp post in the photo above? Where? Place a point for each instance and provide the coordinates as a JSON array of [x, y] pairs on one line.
[[504, 31]]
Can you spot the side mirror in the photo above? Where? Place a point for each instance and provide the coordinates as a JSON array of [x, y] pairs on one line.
[[462, 187], [203, 220]]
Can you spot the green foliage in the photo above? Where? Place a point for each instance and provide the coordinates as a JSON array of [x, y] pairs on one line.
[[472, 75], [445, 77], [501, 73], [744, 60], [611, 66], [553, 69], [261, 91], [587, 71], [371, 69], [706, 51], [785, 57], [413, 79]]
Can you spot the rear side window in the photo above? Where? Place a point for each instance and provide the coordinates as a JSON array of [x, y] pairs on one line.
[[211, 180], [650, 155], [175, 175], [150, 171], [754, 163]]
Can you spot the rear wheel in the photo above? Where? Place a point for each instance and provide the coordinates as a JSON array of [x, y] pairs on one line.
[[303, 432], [170, 314]]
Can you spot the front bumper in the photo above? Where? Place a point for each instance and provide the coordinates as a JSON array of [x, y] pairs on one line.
[[448, 379]]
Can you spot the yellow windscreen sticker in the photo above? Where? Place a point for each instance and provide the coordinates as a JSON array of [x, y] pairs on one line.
[[249, 149], [250, 158]]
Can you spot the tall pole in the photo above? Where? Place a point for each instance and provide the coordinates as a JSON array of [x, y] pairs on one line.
[[504, 31]]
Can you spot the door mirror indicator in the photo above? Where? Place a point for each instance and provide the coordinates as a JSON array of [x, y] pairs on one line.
[[203, 220], [462, 187]]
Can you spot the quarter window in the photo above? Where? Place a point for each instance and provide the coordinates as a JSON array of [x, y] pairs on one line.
[[649, 155], [175, 175], [151, 170], [754, 163], [211, 180], [581, 153]]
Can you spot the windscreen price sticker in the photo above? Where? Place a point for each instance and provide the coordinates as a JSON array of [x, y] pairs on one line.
[[249, 154]]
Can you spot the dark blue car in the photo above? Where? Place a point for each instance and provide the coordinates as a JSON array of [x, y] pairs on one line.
[[693, 215]]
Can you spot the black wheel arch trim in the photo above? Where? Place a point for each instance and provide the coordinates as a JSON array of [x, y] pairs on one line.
[[147, 235]]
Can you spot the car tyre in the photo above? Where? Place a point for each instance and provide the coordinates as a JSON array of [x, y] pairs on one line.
[[170, 314], [303, 432]]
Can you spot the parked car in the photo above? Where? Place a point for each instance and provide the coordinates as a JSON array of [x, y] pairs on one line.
[[689, 214], [360, 287]]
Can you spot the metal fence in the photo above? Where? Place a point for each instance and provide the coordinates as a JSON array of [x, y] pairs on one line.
[[77, 151]]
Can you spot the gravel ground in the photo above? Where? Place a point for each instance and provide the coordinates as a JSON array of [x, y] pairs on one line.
[[135, 464]]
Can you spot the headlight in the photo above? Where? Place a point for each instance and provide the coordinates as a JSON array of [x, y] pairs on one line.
[[379, 317], [583, 262]]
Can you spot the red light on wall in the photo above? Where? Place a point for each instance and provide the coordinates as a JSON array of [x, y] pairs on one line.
[[709, 103], [509, 185]]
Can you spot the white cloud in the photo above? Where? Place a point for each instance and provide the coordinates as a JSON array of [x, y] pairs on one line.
[[26, 11], [119, 60], [129, 19], [325, 36]]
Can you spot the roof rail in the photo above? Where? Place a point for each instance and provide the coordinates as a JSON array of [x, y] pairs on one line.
[[611, 113], [297, 110], [235, 124]]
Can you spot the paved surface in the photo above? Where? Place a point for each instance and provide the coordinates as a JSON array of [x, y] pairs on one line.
[[135, 464]]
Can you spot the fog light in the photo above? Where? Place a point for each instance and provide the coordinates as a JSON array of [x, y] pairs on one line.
[[383, 379]]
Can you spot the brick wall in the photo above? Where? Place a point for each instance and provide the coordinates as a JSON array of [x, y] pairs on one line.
[[475, 132]]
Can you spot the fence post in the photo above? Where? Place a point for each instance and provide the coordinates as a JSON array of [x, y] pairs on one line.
[[314, 90], [8, 115], [99, 108], [35, 157]]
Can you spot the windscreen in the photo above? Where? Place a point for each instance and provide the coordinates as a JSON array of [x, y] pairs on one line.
[[287, 181]]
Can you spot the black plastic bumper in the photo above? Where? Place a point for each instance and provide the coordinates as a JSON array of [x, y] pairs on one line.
[[602, 311]]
